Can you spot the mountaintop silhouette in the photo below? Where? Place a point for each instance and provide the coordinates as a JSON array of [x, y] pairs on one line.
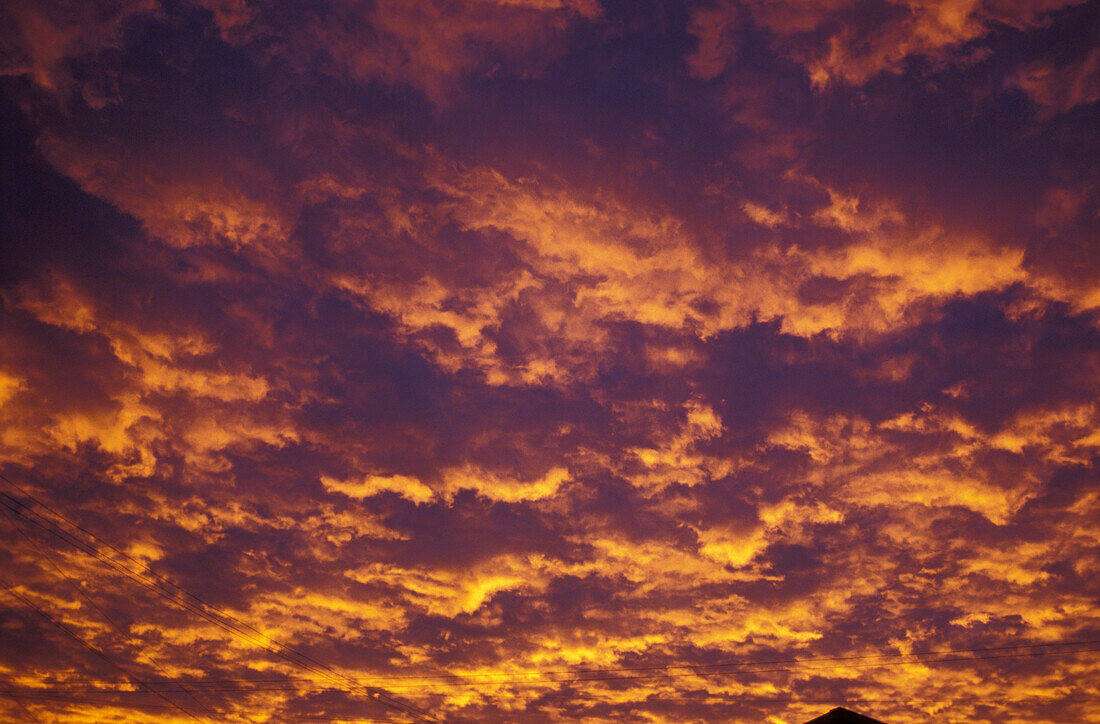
[[840, 715]]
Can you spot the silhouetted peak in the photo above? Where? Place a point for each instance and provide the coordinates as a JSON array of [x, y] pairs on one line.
[[840, 715]]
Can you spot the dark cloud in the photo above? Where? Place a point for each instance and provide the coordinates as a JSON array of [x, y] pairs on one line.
[[477, 339]]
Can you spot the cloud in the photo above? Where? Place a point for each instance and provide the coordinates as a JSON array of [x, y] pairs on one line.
[[843, 42], [40, 40], [1060, 89], [403, 485], [179, 204], [483, 339], [713, 26], [764, 216], [496, 487], [431, 47]]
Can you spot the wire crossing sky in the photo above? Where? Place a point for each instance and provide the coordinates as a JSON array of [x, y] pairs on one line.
[[549, 360]]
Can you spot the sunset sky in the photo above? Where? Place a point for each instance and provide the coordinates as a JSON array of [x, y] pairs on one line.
[[549, 360]]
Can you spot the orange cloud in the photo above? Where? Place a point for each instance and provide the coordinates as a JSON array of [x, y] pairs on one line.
[[838, 44], [492, 339], [1059, 89], [403, 485]]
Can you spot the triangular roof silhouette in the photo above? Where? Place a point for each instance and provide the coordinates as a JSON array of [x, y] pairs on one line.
[[840, 715]]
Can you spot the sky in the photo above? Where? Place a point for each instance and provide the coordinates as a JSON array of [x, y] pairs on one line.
[[549, 360]]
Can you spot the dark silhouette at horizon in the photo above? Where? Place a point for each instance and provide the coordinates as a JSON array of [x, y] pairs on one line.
[[840, 715]]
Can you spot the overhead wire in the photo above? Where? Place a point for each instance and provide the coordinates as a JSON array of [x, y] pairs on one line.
[[186, 599], [47, 697], [676, 665], [137, 578], [350, 684], [737, 698], [30, 714], [276, 685], [653, 699], [111, 621], [182, 597], [11, 590], [67, 697], [662, 667]]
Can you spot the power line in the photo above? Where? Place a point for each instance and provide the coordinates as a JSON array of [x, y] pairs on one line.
[[61, 699], [428, 678], [186, 599], [88, 646], [280, 650], [653, 698], [344, 680], [664, 667], [21, 705], [819, 700], [197, 606], [109, 619], [300, 685]]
